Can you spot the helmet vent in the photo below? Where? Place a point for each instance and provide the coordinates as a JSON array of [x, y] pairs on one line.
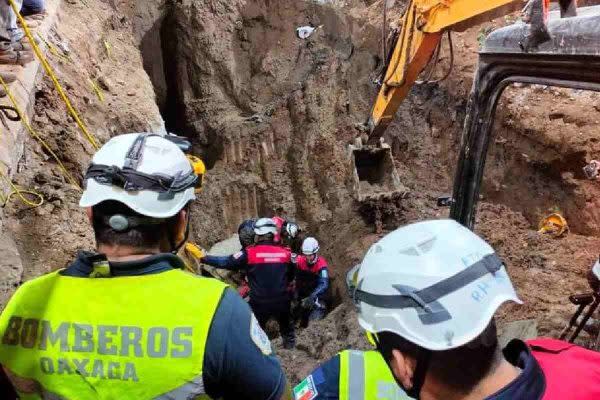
[[410, 251], [425, 247]]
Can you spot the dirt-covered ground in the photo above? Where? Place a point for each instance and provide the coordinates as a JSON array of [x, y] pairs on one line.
[[272, 115]]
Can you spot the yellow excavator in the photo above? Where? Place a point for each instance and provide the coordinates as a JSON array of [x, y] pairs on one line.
[[417, 45], [559, 48]]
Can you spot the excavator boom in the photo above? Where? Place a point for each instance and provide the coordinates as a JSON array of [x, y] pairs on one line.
[[423, 25]]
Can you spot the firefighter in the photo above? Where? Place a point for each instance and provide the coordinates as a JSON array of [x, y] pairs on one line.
[[312, 282], [246, 237], [127, 322], [426, 296], [270, 270]]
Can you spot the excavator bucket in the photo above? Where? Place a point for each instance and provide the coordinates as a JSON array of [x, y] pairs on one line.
[[374, 173]]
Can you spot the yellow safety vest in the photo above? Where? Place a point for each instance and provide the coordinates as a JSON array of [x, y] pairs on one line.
[[364, 375], [134, 337]]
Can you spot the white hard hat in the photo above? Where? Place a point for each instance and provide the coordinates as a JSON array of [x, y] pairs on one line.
[[146, 172], [596, 269], [434, 283], [265, 226], [310, 246], [291, 229]]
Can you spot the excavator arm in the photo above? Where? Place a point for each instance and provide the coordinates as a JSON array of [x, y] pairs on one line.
[[423, 25]]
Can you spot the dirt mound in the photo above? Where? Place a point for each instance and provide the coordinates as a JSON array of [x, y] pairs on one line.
[[321, 341]]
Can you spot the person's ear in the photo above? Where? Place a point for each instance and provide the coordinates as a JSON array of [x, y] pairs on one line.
[[90, 213], [403, 368], [181, 225]]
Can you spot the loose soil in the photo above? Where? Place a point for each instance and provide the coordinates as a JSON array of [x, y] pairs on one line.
[[273, 115]]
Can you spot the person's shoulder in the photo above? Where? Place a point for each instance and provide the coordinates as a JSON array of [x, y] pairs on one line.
[[231, 303], [323, 383], [323, 262]]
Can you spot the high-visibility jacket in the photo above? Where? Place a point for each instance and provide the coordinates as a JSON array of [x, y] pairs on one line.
[[134, 337], [364, 375]]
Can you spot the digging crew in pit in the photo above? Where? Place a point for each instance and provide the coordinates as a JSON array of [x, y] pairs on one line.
[[270, 269], [128, 322], [426, 295], [312, 282], [246, 237]]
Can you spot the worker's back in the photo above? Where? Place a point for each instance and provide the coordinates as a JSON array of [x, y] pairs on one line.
[[120, 337], [268, 272]]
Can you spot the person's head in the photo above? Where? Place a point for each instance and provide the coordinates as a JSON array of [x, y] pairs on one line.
[[265, 230], [427, 294], [246, 233], [290, 230], [137, 191], [310, 249]]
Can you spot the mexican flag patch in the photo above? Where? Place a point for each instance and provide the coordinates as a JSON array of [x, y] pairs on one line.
[[306, 390]]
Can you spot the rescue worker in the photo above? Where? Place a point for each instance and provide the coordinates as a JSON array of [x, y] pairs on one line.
[[292, 236], [426, 295], [312, 282], [246, 237], [287, 233], [279, 223], [127, 322], [269, 269], [246, 233]]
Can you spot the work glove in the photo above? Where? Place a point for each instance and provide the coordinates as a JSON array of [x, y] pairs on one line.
[[308, 302]]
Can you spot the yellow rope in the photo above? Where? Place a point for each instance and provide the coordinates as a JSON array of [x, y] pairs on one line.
[[48, 69], [96, 90], [54, 50], [20, 192], [36, 136]]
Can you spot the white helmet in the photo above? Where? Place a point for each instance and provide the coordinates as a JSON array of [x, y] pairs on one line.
[[291, 229], [434, 283], [146, 172], [310, 246], [265, 226]]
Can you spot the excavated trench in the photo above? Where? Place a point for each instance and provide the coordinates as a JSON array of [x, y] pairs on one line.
[[272, 116], [269, 113], [540, 147]]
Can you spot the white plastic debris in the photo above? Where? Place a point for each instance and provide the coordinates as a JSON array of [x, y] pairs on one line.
[[304, 32]]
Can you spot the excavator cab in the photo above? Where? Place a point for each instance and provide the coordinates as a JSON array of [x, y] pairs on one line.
[[567, 55]]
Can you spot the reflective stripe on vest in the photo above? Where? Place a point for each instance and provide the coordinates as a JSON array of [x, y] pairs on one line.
[[366, 376], [137, 337], [268, 254]]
